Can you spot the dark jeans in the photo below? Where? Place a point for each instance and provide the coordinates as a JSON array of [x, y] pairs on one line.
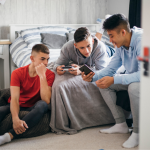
[[32, 118]]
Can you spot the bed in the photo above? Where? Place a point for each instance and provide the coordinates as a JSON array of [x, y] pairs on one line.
[[75, 104]]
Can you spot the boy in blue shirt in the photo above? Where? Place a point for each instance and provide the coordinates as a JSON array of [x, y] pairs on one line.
[[128, 42]]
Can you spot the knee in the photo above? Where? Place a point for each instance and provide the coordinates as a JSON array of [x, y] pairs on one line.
[[133, 88], [42, 106]]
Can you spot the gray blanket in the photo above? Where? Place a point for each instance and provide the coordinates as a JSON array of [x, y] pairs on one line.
[[76, 104]]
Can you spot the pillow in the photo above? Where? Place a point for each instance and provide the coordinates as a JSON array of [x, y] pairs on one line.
[[20, 52], [31, 36], [53, 41], [17, 46], [54, 30]]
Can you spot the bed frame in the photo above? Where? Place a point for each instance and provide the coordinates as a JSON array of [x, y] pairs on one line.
[[19, 27]]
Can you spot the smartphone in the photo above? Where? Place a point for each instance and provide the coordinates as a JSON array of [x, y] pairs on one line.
[[67, 67], [85, 69]]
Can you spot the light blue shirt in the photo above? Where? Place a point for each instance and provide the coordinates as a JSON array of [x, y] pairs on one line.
[[127, 58]]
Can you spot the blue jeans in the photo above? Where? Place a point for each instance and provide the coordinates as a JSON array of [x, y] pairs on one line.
[[32, 118]]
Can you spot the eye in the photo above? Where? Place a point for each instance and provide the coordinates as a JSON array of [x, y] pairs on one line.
[[88, 45]]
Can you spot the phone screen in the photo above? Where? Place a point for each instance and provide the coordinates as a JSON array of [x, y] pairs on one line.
[[85, 69]]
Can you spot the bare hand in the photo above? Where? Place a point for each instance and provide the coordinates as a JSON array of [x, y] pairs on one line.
[[60, 70], [88, 77], [75, 70], [19, 126], [105, 82], [40, 70]]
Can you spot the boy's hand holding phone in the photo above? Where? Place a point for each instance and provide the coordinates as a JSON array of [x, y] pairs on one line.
[[88, 77], [87, 73]]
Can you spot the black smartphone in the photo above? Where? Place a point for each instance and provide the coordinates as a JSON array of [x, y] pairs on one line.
[[85, 69]]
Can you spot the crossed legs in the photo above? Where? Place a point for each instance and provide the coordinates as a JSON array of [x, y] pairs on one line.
[[31, 119]]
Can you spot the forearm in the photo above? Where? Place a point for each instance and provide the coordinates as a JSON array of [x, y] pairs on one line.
[[44, 90], [14, 108], [126, 79]]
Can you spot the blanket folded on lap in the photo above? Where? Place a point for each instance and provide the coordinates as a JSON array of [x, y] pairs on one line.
[[76, 104]]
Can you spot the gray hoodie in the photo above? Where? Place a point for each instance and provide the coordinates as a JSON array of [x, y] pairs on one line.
[[69, 53]]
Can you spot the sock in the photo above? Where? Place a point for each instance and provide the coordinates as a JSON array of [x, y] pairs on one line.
[[5, 138], [100, 21], [132, 141], [117, 128]]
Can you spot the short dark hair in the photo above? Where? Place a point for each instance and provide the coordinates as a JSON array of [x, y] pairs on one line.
[[116, 21], [40, 48], [81, 34]]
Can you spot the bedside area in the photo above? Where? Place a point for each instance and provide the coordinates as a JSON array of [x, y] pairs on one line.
[[4, 64]]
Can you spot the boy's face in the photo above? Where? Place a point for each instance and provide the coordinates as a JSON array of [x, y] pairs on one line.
[[117, 37], [85, 47], [38, 58]]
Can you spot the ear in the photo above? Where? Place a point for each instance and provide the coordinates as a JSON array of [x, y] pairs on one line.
[[92, 40], [123, 31], [32, 58], [75, 45]]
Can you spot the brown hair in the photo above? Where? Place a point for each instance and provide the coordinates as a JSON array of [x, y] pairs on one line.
[[81, 34], [40, 48]]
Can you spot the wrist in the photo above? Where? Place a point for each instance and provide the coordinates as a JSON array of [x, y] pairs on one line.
[[16, 118], [42, 76]]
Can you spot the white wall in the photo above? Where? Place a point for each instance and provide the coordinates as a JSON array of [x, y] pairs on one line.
[[118, 6], [145, 83], [49, 12]]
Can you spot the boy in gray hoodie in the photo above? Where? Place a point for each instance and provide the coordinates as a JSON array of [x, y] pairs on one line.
[[84, 49], [128, 42]]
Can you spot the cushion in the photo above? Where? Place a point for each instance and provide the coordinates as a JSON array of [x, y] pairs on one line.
[[53, 41], [20, 52], [54, 30], [31, 36]]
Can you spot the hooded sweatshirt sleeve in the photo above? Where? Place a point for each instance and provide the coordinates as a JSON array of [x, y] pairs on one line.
[[126, 79], [63, 59], [110, 70]]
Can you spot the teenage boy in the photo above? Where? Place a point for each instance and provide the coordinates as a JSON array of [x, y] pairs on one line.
[[30, 91], [84, 49], [128, 42]]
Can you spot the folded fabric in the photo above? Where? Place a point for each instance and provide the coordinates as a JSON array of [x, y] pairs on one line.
[[53, 41]]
